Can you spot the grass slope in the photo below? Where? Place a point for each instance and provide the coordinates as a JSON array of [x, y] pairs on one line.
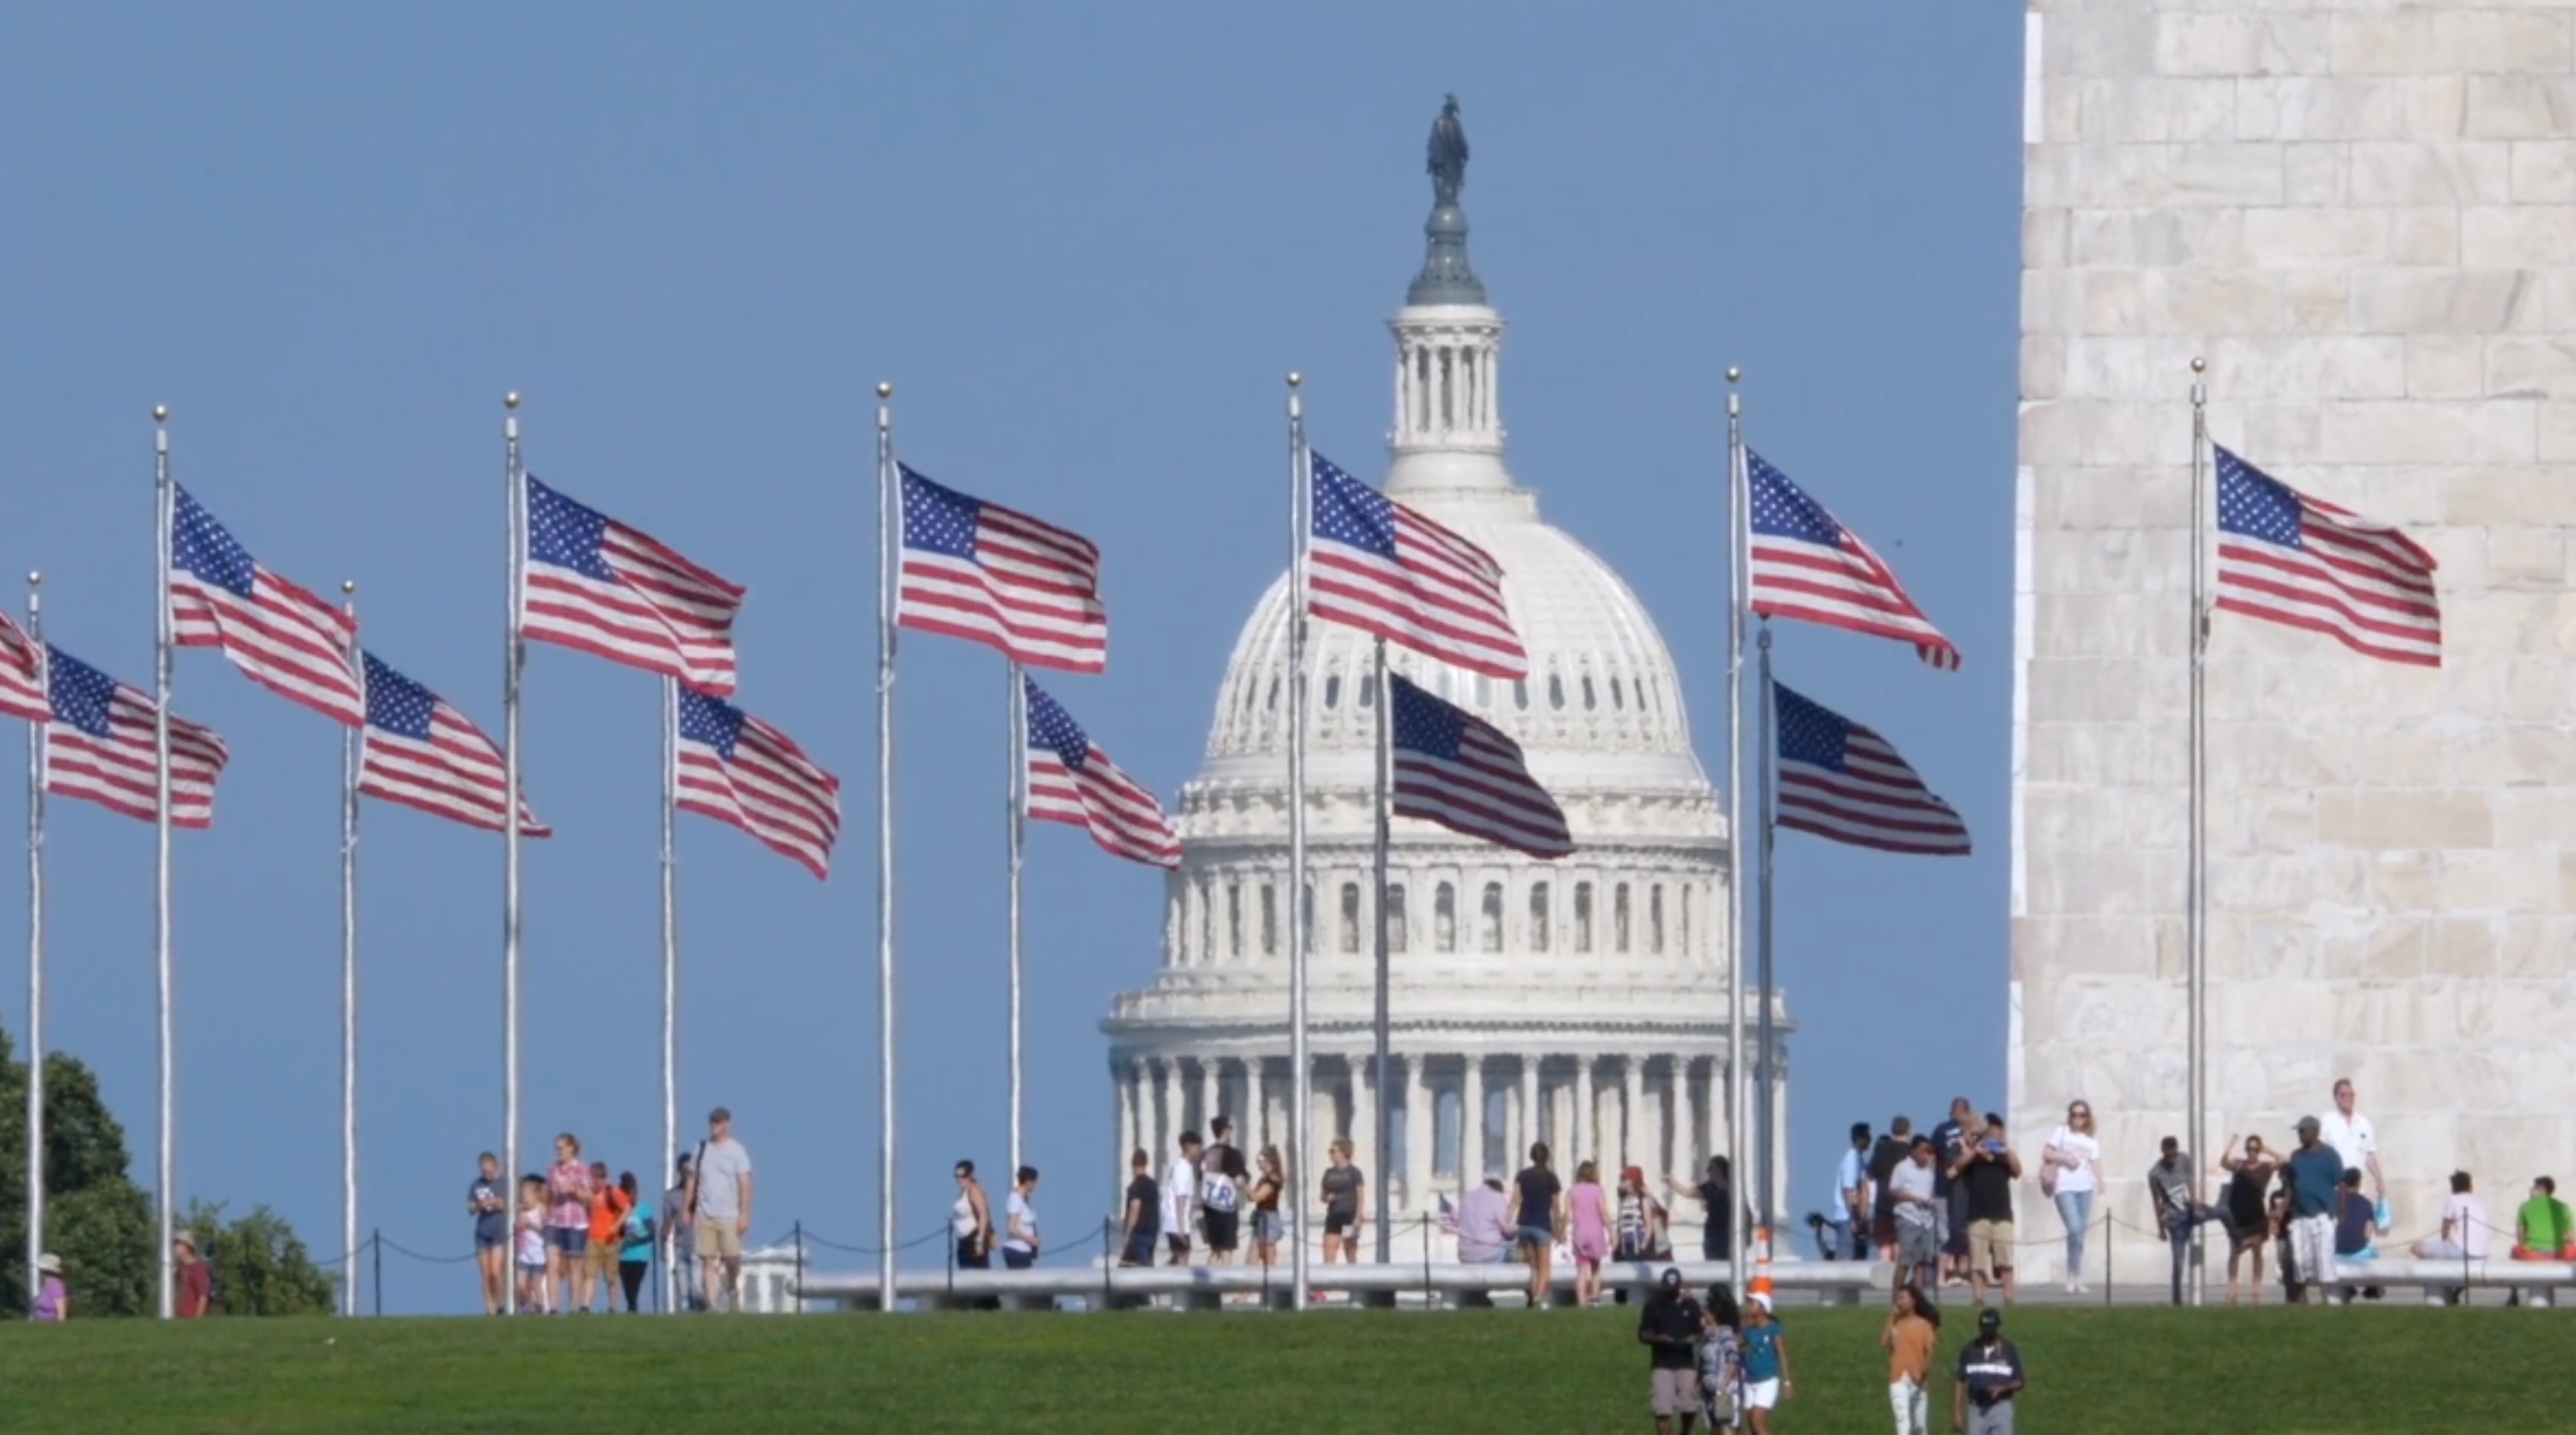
[[2097, 1372]]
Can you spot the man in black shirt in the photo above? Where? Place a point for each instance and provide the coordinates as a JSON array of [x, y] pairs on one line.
[[1950, 1200], [1989, 1172], [1990, 1375], [1669, 1329], [1144, 1212], [1716, 1196]]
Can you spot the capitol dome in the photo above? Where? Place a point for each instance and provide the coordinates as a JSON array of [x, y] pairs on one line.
[[1581, 1001]]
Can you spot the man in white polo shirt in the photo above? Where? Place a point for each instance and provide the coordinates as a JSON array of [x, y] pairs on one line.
[[2348, 1132]]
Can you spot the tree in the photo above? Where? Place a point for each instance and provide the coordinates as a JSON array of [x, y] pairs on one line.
[[96, 1218], [259, 1264]]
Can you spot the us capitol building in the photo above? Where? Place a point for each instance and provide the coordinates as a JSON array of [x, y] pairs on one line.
[[1582, 1001]]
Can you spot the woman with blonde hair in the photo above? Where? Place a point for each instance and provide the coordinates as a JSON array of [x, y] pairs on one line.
[[2069, 1174]]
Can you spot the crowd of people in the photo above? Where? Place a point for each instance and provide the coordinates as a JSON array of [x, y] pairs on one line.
[[570, 1239], [1939, 1204]]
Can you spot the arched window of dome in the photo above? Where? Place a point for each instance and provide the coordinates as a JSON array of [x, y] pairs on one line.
[[1269, 920], [1306, 915], [1396, 931], [1589, 702], [1368, 691], [1234, 919], [1484, 691], [1489, 923], [1583, 917], [1520, 694], [1619, 919], [1270, 701], [1444, 917], [1655, 919], [1538, 917], [1350, 918], [1556, 691], [1685, 896], [1333, 690], [1618, 702]]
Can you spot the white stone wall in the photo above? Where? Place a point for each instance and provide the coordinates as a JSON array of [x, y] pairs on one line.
[[2364, 216]]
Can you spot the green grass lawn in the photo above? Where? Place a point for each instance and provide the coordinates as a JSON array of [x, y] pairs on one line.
[[2094, 1372]]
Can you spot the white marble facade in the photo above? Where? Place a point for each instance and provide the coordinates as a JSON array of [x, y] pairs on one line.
[[1582, 1001], [2364, 216]]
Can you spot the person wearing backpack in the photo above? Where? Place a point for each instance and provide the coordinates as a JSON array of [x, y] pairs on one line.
[[1221, 1200]]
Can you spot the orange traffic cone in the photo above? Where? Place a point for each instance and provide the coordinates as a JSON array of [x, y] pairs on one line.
[[1761, 1261]]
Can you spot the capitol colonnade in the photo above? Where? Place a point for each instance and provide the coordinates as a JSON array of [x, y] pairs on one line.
[[1460, 1116]]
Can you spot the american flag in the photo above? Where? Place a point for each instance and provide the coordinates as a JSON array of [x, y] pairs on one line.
[[1843, 782], [2291, 559], [287, 640], [1382, 568], [595, 585], [1461, 772], [418, 750], [1075, 783], [22, 690], [1806, 565], [981, 572], [98, 747], [737, 769]]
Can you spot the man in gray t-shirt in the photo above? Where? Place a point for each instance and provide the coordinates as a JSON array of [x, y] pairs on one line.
[[719, 1209]]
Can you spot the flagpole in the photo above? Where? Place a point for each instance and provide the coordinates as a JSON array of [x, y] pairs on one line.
[[1765, 825], [514, 665], [163, 503], [36, 947], [351, 755], [1015, 810], [670, 927], [1737, 1106], [1385, 1153], [2196, 874], [1299, 1076], [887, 538]]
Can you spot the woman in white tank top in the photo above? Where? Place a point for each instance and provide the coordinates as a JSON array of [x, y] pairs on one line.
[[971, 1221]]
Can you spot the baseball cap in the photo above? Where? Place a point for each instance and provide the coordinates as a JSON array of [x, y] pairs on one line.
[[1762, 1299], [1990, 1321], [2308, 1124]]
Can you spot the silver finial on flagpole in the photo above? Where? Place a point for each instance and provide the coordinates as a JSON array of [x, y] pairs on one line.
[[2199, 365], [348, 585], [35, 578], [1734, 375], [160, 413], [1295, 378], [884, 389], [510, 400]]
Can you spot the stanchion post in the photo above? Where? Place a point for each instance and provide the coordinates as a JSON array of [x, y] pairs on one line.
[[1108, 1261], [800, 1267], [2110, 1243], [376, 1238]]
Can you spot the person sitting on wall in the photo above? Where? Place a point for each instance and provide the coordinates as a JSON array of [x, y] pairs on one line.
[[2542, 1230], [2357, 1219]]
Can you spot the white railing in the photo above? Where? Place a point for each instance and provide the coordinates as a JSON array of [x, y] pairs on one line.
[[1209, 1287]]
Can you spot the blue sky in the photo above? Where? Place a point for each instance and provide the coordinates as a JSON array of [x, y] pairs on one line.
[[1085, 242]]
